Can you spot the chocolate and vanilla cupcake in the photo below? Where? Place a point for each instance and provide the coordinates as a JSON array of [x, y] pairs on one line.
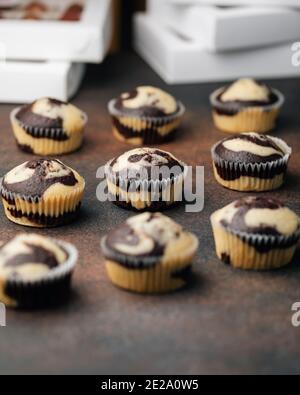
[[35, 271], [42, 193], [251, 162], [146, 115], [146, 179], [48, 127], [256, 233], [246, 106], [149, 253]]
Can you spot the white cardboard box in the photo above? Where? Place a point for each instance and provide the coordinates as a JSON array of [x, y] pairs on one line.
[[225, 29], [180, 61], [286, 3], [24, 82], [86, 40]]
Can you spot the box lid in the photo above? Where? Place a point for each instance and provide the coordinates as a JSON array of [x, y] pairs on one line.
[[286, 3], [68, 30], [229, 28], [24, 82], [177, 60]]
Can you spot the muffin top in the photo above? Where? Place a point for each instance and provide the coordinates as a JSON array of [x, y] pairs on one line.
[[147, 101], [147, 235], [50, 113], [251, 148], [246, 89], [36, 177], [30, 257], [259, 216], [146, 164], [249, 91]]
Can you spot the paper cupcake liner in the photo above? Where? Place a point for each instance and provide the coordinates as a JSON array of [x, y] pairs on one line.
[[252, 251], [261, 119], [261, 176], [149, 274], [50, 289], [45, 141], [145, 130], [137, 193], [36, 211]]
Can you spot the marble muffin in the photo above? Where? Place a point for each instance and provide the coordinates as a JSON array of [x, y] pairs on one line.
[[246, 106], [48, 127], [42, 193], [258, 233], [251, 162], [35, 271], [149, 253], [146, 179], [146, 115]]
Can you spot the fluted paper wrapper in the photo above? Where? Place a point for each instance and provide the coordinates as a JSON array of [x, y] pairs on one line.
[[260, 176], [41, 212], [148, 130], [253, 251], [253, 119], [45, 141], [169, 191], [148, 275]]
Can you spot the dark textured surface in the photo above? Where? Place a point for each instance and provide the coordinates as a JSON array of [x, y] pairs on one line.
[[229, 321]]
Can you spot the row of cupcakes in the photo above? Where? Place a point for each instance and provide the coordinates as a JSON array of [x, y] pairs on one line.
[[144, 116], [150, 253]]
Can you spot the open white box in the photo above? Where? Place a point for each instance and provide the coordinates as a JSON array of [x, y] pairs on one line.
[[286, 3], [177, 60], [23, 82], [86, 40], [229, 28]]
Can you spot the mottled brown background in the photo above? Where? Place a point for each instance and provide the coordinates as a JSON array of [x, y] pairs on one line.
[[229, 321]]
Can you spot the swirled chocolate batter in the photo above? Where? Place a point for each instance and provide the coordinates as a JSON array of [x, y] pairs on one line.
[[260, 216], [42, 193], [143, 236], [244, 93], [146, 164], [30, 256], [41, 114], [51, 119], [149, 253], [147, 101], [32, 179], [35, 271], [250, 148], [145, 115]]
